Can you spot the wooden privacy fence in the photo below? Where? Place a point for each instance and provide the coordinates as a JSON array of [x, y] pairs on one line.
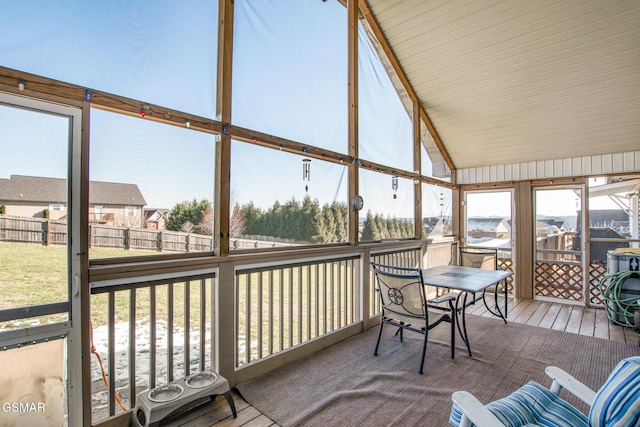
[[47, 232], [40, 231]]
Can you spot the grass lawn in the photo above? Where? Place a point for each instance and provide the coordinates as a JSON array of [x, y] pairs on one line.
[[305, 301], [33, 274]]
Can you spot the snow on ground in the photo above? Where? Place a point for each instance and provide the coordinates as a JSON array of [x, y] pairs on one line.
[[100, 401]]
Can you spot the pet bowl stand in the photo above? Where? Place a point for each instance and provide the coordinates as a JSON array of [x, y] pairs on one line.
[[149, 412]]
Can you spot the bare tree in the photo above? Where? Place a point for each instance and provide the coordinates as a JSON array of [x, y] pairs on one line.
[[237, 222], [187, 227], [206, 225]]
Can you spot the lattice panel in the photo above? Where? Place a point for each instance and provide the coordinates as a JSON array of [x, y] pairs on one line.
[[562, 281], [506, 264], [597, 271]]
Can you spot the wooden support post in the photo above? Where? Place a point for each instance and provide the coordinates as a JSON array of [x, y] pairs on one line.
[[524, 229], [352, 40], [223, 111], [417, 167]]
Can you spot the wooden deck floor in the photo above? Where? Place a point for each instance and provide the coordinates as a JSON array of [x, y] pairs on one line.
[[561, 317], [574, 319]]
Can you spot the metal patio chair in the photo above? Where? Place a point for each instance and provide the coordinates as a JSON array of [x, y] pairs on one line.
[[405, 307], [486, 259], [616, 404]]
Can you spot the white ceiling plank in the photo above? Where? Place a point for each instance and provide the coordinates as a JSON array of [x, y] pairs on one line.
[[507, 82]]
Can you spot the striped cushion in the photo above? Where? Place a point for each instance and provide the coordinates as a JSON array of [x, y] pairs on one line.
[[531, 405], [617, 403]]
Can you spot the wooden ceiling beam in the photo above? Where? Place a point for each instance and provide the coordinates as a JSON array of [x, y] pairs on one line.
[[69, 94], [57, 91]]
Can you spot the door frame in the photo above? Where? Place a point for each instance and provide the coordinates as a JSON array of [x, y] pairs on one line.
[[76, 329], [582, 231], [512, 213]]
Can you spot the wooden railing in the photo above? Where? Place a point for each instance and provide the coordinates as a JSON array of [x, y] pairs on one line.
[[158, 328], [150, 328], [285, 305]]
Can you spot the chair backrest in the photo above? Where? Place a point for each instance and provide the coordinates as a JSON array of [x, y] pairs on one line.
[[617, 403], [486, 259], [401, 289]]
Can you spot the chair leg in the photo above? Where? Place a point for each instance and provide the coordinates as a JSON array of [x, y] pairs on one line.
[[375, 352], [453, 331], [424, 350], [506, 294]]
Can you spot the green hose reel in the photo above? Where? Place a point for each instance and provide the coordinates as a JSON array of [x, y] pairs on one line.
[[620, 302]]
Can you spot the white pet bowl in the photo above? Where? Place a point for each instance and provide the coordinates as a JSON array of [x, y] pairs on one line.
[[201, 379], [165, 393]]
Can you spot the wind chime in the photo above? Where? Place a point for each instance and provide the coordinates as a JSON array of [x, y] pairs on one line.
[[394, 186], [306, 172]]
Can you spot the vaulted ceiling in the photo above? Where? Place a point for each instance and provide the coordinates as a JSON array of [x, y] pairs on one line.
[[519, 81]]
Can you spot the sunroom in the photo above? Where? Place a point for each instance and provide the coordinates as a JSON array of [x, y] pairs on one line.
[[201, 186]]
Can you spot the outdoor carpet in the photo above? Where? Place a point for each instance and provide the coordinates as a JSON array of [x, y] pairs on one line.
[[346, 385]]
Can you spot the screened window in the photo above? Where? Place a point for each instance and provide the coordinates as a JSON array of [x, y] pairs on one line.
[[388, 207], [283, 199], [290, 70], [160, 52], [33, 181], [385, 128], [613, 214], [436, 211], [138, 168]]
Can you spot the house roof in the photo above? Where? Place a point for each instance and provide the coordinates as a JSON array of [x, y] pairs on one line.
[[560, 224], [54, 190], [506, 82], [155, 214], [599, 217], [486, 221]]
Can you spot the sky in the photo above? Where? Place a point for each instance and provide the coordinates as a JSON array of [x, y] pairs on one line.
[[549, 202], [290, 79]]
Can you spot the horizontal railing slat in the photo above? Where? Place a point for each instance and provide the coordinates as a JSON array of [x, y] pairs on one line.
[[9, 314]]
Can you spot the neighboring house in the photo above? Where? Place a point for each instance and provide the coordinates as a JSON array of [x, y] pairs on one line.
[[599, 250], [495, 227], [549, 226], [109, 202], [154, 219], [617, 219]]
